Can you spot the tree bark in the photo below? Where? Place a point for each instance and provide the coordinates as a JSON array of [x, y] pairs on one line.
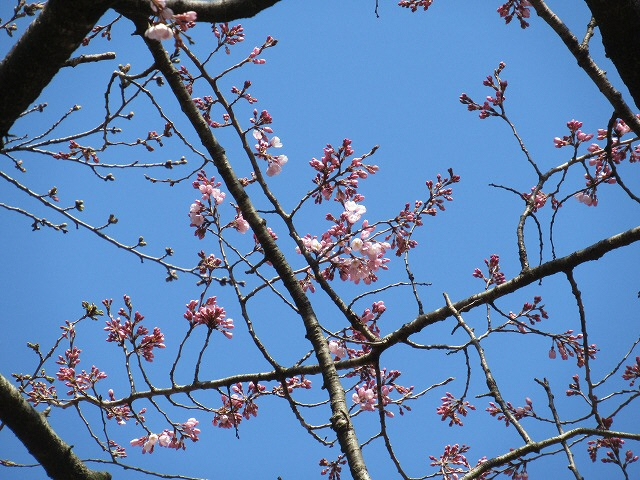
[[41, 52], [619, 24], [59, 30], [33, 430]]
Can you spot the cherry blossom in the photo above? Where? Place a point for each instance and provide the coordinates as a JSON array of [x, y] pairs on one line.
[[159, 32], [517, 8], [210, 314], [240, 224], [275, 164], [365, 397], [353, 211], [415, 4], [337, 349]]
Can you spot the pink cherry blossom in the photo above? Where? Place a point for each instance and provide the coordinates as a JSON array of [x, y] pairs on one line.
[[336, 349], [240, 224], [275, 142], [195, 214], [366, 397], [159, 32], [276, 163], [356, 244], [588, 200], [150, 443], [353, 211], [186, 17]]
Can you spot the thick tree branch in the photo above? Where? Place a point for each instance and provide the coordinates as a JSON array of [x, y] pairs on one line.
[[32, 429], [40, 53], [340, 419], [208, 10], [619, 24], [57, 32], [581, 53], [593, 252], [537, 446]]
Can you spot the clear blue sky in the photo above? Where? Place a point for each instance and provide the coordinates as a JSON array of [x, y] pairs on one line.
[[337, 72]]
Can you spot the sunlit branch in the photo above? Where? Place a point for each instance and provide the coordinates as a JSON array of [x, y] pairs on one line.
[[558, 423], [341, 422], [494, 391], [98, 57], [535, 447], [581, 54]]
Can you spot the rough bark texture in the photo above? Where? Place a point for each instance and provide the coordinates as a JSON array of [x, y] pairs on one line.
[[33, 430], [58, 31], [208, 10], [619, 24], [340, 419], [40, 53]]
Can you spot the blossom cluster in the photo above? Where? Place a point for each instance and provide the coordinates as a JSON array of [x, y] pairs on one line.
[[497, 100], [337, 176], [292, 384], [261, 132], [132, 331], [238, 406], [334, 469], [79, 382], [575, 137], [358, 254], [228, 35], [568, 346], [121, 413], [363, 257], [207, 264], [538, 200], [602, 159], [517, 8], [369, 318], [210, 314], [613, 455], [632, 372], [159, 30], [452, 408], [365, 395], [534, 312], [415, 4], [203, 211], [495, 276], [517, 412], [452, 462], [169, 438]]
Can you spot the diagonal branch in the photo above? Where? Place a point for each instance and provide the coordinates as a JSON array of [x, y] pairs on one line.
[[32, 429], [535, 447], [581, 54], [40, 53], [340, 419], [58, 31]]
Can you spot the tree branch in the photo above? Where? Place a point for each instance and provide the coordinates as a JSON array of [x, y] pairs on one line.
[[581, 52], [40, 53], [58, 31], [537, 446], [340, 419], [208, 10], [32, 429], [618, 23]]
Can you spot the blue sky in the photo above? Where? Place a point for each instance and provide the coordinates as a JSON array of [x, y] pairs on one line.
[[337, 72]]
